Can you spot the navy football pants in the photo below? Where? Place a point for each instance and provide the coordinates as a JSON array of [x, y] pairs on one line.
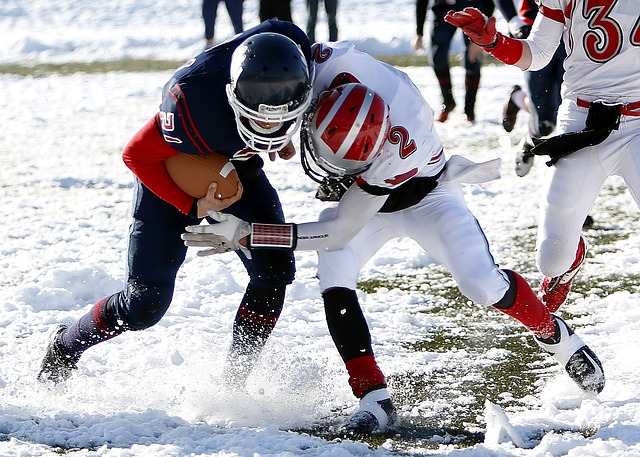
[[156, 251]]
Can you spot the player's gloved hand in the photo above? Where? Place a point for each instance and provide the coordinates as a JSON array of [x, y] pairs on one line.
[[518, 28], [225, 236], [480, 29]]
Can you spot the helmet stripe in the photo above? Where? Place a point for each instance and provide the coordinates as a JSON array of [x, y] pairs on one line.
[[352, 147]]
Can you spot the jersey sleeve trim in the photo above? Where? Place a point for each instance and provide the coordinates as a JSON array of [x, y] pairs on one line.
[[554, 15], [187, 121]]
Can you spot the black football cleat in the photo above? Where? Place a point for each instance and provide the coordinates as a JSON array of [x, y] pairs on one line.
[[56, 367], [510, 111]]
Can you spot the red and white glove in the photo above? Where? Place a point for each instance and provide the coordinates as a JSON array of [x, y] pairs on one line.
[[482, 31]]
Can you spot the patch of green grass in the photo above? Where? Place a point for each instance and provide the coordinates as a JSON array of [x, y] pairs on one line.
[[507, 379], [463, 388], [97, 67], [144, 65]]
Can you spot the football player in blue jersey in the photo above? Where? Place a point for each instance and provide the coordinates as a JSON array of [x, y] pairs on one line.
[[240, 98]]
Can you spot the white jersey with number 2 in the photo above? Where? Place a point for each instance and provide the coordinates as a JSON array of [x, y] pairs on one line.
[[413, 147]]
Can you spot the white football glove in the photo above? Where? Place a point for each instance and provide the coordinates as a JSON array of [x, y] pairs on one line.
[[222, 237]]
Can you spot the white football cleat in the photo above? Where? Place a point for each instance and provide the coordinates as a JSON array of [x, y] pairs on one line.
[[524, 158], [376, 414], [577, 358]]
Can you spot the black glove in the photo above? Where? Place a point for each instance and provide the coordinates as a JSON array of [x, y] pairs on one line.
[[602, 119]]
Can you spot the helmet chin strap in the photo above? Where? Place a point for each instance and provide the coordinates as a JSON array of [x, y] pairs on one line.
[[255, 125]]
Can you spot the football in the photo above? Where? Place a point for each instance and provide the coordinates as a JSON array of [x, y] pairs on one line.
[[193, 174]]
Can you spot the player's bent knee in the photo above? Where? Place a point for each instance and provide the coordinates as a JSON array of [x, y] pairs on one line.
[[482, 292], [150, 316], [554, 257], [143, 307]]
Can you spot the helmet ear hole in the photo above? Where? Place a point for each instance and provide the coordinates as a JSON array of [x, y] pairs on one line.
[[346, 129]]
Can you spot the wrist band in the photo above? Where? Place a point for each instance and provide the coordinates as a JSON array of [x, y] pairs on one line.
[[505, 49], [281, 236]]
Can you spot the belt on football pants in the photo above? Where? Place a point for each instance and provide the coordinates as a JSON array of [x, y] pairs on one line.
[[629, 109]]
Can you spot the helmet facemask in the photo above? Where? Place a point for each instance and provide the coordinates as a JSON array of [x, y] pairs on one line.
[[269, 91]]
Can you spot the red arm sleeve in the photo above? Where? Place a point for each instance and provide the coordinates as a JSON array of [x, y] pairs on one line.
[[144, 155]]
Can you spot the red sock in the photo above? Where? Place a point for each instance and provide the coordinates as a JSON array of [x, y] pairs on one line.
[[529, 310], [364, 374]]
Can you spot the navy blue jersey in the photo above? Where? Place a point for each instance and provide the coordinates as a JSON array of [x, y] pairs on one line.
[[195, 116]]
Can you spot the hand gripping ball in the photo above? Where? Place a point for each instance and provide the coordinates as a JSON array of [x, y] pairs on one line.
[[194, 173]]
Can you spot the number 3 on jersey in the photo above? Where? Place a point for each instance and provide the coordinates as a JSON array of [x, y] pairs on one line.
[[604, 39]]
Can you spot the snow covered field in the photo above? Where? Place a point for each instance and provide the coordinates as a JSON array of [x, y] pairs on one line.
[[65, 204]]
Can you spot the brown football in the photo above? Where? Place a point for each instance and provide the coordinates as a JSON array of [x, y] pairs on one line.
[[193, 174]]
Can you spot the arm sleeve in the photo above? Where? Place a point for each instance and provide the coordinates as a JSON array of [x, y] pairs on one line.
[[421, 15], [355, 210], [144, 155], [545, 37]]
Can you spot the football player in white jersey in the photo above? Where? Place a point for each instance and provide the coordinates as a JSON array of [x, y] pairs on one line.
[[598, 120], [370, 125]]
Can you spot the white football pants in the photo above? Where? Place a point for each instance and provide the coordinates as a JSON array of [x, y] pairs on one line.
[[443, 226]]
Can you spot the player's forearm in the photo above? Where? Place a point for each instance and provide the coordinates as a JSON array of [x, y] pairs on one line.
[[156, 180], [421, 15], [144, 155], [355, 210], [340, 225]]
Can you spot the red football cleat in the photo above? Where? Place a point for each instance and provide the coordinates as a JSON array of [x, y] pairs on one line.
[[445, 109], [553, 291]]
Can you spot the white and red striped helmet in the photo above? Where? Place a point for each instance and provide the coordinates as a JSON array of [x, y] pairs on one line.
[[345, 130]]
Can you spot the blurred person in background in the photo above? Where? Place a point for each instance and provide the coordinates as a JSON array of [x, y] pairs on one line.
[[331, 8], [540, 96], [209, 13], [275, 9], [441, 35]]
